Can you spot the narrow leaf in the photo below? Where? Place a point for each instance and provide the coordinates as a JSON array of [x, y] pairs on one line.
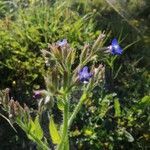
[[8, 122], [31, 127], [117, 108], [53, 132], [105, 104], [38, 129]]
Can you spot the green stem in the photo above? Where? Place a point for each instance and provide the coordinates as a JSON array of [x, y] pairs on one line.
[[77, 108], [66, 146], [40, 143], [64, 136]]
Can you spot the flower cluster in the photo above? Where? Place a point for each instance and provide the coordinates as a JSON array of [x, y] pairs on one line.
[[84, 74], [114, 49]]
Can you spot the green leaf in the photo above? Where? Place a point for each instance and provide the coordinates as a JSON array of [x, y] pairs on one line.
[[84, 96], [117, 108], [53, 132], [31, 130], [38, 130], [105, 104], [145, 101], [60, 104], [35, 129]]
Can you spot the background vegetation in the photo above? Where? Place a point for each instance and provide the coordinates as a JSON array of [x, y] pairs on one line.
[[117, 117]]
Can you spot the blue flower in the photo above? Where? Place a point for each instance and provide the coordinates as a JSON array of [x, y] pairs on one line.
[[62, 43], [115, 48], [85, 75]]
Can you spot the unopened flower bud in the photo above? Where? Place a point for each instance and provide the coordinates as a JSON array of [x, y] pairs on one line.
[[37, 95], [62, 43]]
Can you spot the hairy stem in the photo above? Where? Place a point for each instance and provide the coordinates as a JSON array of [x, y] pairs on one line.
[[64, 136], [77, 108]]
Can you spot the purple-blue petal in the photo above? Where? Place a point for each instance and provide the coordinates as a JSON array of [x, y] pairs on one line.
[[119, 50], [85, 75], [114, 42], [115, 47], [85, 69]]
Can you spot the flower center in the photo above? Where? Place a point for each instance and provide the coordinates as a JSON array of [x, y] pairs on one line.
[[116, 46]]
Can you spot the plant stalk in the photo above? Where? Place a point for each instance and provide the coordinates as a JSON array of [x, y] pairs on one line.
[[64, 136], [77, 108]]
